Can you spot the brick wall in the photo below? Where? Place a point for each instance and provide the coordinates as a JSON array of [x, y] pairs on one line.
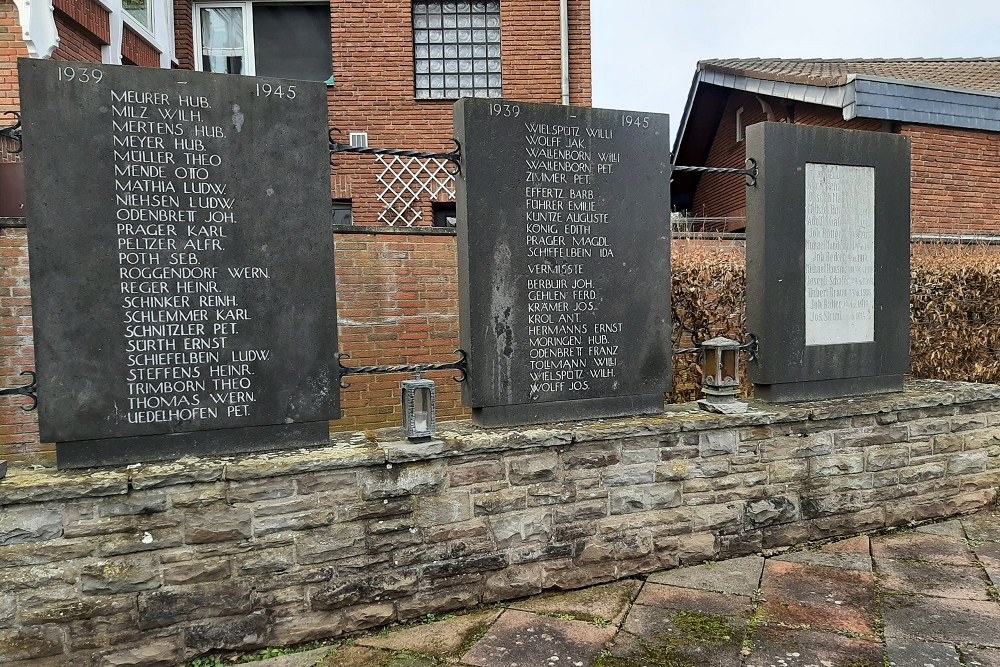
[[373, 90], [83, 27], [18, 428], [159, 563], [725, 196], [956, 180], [11, 48], [137, 51], [397, 299]]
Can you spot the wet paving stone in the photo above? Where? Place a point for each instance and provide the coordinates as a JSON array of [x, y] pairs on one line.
[[738, 576], [653, 636], [818, 597], [952, 528], [606, 603], [934, 579], [442, 639], [687, 599], [840, 561], [982, 527], [522, 639], [906, 652], [920, 546], [787, 647], [942, 619]]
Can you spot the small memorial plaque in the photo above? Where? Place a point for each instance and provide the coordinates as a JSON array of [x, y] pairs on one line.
[[828, 261], [840, 254], [181, 260], [564, 260]]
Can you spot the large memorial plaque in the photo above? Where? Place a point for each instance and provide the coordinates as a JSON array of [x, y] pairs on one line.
[[181, 261], [564, 261], [828, 261]]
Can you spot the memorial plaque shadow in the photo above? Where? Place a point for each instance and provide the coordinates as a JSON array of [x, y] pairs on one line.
[[564, 261], [828, 261], [181, 261]]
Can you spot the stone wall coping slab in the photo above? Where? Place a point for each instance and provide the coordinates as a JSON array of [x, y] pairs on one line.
[[462, 438]]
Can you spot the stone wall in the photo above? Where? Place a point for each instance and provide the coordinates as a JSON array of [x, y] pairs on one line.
[[153, 564]]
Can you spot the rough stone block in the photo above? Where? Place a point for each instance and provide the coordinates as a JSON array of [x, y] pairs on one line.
[[883, 458], [598, 455], [19, 525], [944, 444], [217, 526], [264, 562], [64, 605], [643, 498], [300, 521], [790, 470], [436, 602], [455, 531], [475, 472], [877, 436], [147, 540], [195, 571], [520, 527], [967, 462], [30, 643], [499, 502], [120, 575], [165, 607], [473, 565], [375, 509], [770, 511], [796, 447], [584, 511], [524, 470], [328, 482], [257, 490], [718, 443], [137, 503], [551, 493], [238, 633], [152, 653], [837, 464], [364, 617], [921, 428], [330, 543], [402, 480]]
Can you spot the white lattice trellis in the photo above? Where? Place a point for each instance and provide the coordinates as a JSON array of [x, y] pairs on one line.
[[405, 181]]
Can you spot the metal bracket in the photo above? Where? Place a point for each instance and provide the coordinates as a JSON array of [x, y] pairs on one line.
[[13, 132], [462, 366], [750, 347], [27, 390], [750, 172], [454, 157]]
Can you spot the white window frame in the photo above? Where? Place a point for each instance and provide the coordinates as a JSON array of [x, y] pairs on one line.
[[739, 126], [249, 52]]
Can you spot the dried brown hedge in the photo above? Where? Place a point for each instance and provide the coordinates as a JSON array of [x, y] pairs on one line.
[[954, 309]]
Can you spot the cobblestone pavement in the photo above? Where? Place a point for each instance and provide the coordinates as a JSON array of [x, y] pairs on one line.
[[922, 597]]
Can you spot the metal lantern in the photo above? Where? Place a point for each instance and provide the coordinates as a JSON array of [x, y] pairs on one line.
[[419, 407], [720, 371]]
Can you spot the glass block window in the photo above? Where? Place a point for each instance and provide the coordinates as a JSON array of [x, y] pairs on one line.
[[456, 49]]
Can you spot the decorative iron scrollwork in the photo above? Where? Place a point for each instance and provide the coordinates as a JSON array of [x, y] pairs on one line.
[[461, 366], [454, 157], [13, 132], [27, 390]]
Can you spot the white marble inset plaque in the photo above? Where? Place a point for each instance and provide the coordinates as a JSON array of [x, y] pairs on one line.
[[840, 254]]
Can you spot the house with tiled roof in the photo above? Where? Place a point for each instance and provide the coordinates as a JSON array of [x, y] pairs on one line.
[[948, 107]]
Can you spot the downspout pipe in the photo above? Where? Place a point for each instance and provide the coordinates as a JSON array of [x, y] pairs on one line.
[[564, 47]]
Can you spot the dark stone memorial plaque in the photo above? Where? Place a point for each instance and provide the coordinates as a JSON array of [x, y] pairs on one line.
[[181, 261], [828, 261], [564, 261]]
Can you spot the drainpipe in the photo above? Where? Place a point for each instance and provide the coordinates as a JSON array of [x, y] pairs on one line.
[[564, 47]]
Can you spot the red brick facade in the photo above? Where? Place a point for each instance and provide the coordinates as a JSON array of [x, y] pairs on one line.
[[955, 189], [397, 288], [724, 196]]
